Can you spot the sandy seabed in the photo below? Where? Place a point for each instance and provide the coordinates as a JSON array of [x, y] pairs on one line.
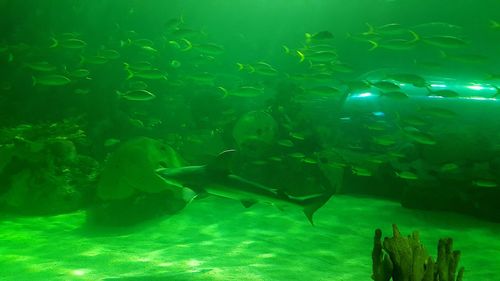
[[218, 239]]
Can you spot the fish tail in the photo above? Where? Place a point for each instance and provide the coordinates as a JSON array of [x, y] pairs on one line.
[[188, 47], [82, 60], [240, 66], [497, 94], [130, 74], [494, 24], [223, 90], [416, 37], [370, 31], [374, 45], [55, 43], [308, 37], [124, 43], [33, 78], [301, 56], [286, 49], [311, 205]]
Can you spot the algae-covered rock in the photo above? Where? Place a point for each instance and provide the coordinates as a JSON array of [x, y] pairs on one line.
[[41, 171], [6, 152], [131, 168]]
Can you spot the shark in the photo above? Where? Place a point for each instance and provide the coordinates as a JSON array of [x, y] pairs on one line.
[[217, 179]]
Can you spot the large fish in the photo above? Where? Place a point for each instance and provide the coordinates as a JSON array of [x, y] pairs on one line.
[[215, 178]]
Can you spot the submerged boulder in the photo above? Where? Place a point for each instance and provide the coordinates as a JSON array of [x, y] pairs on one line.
[[129, 191], [131, 169]]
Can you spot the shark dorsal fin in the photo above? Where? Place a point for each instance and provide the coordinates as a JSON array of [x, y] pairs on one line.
[[221, 164]]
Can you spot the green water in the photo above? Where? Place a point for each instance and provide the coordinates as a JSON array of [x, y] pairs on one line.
[[389, 105]]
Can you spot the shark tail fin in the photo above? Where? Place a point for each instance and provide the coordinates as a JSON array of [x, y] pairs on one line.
[[311, 205]]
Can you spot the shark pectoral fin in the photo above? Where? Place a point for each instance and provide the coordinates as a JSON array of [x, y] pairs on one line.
[[188, 195], [280, 207], [311, 205], [248, 203]]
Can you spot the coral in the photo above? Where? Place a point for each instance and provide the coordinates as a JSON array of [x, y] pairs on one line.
[[406, 259]]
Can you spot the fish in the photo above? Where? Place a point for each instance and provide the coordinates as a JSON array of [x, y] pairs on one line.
[[209, 49], [297, 155], [138, 66], [243, 91], [386, 86], [137, 95], [360, 171], [437, 27], [41, 66], [152, 74], [111, 142], [407, 175], [495, 24], [109, 54], [187, 33], [437, 112], [385, 140], [202, 78], [445, 93], [418, 136], [449, 167], [358, 86], [175, 64], [394, 95], [319, 56], [262, 68], [319, 36], [182, 44], [79, 73], [389, 29], [309, 160], [409, 78], [96, 60], [466, 58], [484, 183], [51, 80], [70, 43], [323, 91], [445, 41], [340, 67], [285, 143], [173, 23], [216, 178], [395, 43]]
